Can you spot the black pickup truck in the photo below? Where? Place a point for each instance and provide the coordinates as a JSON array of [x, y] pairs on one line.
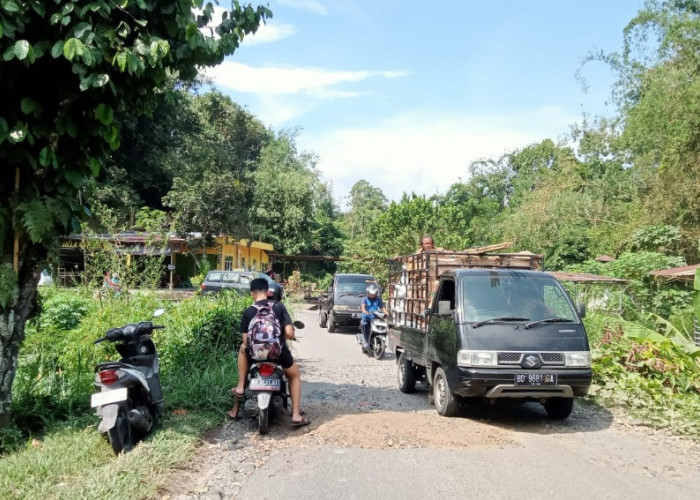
[[341, 304], [492, 333]]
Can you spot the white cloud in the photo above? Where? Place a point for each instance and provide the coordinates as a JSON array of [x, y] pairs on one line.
[[308, 5], [289, 80], [424, 152], [269, 33]]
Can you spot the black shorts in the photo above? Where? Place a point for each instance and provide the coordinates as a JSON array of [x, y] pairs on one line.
[[285, 360]]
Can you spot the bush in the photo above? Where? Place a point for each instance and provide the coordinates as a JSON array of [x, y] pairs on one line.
[[63, 311]]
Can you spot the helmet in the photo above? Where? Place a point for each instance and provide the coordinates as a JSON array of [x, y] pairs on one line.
[[372, 290]]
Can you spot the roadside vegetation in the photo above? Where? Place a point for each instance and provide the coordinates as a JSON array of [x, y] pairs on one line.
[[53, 449]]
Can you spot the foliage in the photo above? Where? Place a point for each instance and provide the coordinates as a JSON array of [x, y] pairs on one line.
[[654, 377], [63, 311], [55, 376]]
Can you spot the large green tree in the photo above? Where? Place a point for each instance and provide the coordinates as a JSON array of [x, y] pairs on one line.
[[68, 68]]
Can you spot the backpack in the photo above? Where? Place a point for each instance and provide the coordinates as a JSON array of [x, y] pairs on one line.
[[264, 332]]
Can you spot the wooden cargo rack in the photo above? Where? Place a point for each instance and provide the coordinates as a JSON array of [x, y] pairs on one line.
[[414, 278]]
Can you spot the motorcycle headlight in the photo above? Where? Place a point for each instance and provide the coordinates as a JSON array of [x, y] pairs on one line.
[[581, 359]]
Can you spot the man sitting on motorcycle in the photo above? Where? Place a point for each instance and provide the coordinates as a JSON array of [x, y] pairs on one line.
[[370, 304], [258, 290]]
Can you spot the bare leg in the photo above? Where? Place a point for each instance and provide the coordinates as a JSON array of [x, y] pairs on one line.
[[239, 390], [294, 377]]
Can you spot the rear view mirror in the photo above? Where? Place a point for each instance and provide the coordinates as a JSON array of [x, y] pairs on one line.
[[330, 290], [444, 307], [581, 308]]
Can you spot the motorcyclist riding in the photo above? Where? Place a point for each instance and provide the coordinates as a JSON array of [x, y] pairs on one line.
[[373, 302]]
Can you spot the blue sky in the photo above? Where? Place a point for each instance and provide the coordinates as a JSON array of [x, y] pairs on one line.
[[406, 94]]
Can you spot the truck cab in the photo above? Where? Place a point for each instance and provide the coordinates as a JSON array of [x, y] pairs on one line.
[[341, 304], [490, 333]]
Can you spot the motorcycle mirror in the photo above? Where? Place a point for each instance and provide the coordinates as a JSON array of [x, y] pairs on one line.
[[158, 312], [298, 324]]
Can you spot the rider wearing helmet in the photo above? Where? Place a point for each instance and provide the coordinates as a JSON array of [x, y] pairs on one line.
[[370, 304]]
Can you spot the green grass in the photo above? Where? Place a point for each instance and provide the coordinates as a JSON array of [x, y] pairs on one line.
[[78, 463]]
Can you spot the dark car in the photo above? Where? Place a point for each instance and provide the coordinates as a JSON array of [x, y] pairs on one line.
[[341, 305], [238, 281]]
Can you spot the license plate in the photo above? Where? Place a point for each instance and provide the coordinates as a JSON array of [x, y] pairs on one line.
[[107, 397], [535, 379], [265, 384]]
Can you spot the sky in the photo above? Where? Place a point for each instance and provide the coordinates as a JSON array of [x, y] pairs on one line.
[[406, 94]]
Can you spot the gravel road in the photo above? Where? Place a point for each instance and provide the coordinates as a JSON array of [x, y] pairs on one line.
[[369, 440]]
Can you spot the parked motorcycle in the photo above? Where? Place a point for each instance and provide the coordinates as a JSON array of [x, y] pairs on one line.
[[377, 335], [267, 392], [129, 398]]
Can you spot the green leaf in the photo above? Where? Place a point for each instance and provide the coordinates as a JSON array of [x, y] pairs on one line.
[[29, 105], [94, 166], [55, 19], [81, 28], [3, 125], [65, 20], [121, 60], [57, 49], [105, 114], [17, 134], [9, 5], [45, 156], [100, 80], [0, 30], [73, 47], [21, 49], [9, 53], [75, 178]]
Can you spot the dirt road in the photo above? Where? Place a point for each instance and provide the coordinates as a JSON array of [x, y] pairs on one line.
[[369, 440]]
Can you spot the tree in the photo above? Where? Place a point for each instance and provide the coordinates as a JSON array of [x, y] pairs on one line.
[[283, 199], [658, 92], [366, 203], [102, 60]]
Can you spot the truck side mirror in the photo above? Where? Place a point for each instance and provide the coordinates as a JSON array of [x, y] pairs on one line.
[[444, 308], [425, 313], [330, 290], [581, 308]]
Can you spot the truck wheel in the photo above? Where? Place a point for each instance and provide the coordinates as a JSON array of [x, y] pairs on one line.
[[446, 403], [559, 408], [406, 374], [322, 318], [331, 324]]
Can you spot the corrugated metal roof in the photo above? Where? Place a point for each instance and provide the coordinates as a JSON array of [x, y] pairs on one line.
[[585, 277], [683, 272]]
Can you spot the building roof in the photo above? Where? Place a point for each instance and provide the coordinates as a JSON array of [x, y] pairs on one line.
[[605, 258], [680, 273], [586, 278]]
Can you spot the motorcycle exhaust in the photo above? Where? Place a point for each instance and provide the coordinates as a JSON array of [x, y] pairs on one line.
[[139, 421]]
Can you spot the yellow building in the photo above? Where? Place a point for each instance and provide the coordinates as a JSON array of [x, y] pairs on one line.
[[240, 254]]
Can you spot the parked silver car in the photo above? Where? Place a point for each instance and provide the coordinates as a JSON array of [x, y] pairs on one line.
[[239, 281]]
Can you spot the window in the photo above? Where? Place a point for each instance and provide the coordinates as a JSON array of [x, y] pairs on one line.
[[228, 263]]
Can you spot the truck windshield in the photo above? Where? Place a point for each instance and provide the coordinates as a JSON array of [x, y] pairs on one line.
[[354, 285], [521, 297]]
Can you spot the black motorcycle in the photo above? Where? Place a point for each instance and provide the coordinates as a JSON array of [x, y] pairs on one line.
[[377, 335], [129, 399], [266, 394]]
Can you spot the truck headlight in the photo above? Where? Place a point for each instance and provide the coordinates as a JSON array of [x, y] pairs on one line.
[[477, 358], [340, 308], [581, 359]]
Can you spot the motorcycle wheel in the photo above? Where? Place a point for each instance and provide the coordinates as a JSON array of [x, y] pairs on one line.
[[378, 348], [263, 420], [120, 436]]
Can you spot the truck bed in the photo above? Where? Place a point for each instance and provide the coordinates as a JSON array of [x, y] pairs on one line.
[[413, 278]]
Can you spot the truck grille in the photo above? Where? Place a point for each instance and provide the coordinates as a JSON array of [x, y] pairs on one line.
[[515, 358]]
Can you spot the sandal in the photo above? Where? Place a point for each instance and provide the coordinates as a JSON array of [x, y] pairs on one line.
[[237, 397], [301, 423]]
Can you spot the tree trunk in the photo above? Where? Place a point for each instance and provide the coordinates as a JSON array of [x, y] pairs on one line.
[[12, 320]]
